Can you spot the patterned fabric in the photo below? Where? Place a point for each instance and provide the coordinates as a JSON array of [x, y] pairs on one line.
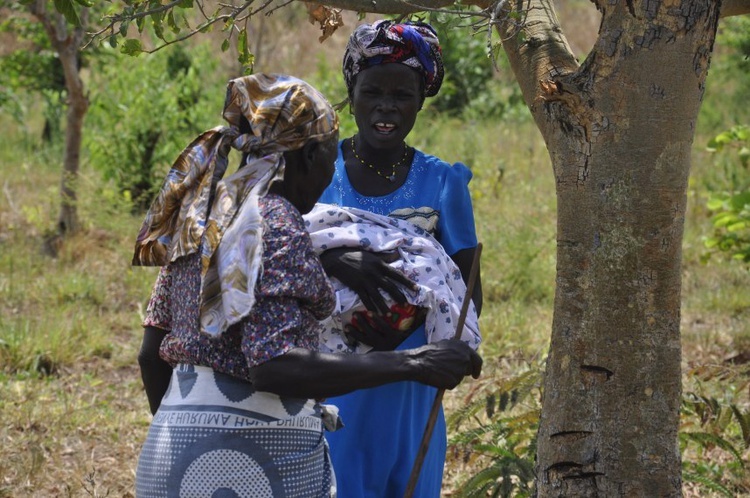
[[283, 114], [214, 435], [414, 44], [284, 317], [422, 259]]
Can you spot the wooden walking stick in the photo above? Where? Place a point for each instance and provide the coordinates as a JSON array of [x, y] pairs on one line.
[[424, 445]]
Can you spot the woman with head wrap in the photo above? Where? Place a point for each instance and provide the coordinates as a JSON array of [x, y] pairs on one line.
[[233, 317], [389, 70]]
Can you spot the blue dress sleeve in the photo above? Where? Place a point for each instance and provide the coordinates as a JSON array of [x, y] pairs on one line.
[[456, 230]]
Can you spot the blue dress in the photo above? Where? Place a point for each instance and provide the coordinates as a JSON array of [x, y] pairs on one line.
[[375, 451]]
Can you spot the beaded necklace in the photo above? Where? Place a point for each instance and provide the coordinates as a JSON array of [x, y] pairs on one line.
[[392, 177]]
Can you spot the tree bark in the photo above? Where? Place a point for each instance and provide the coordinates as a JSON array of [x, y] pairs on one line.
[[619, 130], [67, 45]]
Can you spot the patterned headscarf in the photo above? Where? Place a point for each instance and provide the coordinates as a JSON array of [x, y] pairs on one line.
[[414, 44], [188, 215]]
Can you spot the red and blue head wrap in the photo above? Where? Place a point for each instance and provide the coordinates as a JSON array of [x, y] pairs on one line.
[[414, 44]]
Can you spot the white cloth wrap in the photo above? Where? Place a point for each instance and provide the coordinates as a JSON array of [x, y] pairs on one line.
[[422, 259]]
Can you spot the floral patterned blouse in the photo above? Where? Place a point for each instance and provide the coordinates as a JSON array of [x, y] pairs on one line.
[[292, 294]]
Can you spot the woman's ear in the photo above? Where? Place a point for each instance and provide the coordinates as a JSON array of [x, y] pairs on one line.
[[309, 152]]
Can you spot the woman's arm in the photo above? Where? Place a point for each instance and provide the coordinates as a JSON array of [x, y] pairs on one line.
[[307, 374], [155, 372]]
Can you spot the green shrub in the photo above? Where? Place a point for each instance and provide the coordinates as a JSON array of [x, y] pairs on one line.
[[144, 110], [472, 86], [731, 219], [715, 430], [494, 436]]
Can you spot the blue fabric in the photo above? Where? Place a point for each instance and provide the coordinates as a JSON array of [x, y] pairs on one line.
[[374, 453], [431, 183]]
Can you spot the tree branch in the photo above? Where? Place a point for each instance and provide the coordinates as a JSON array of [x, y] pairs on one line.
[[537, 50], [735, 8]]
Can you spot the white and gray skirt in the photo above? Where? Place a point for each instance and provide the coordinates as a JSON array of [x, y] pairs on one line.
[[215, 436]]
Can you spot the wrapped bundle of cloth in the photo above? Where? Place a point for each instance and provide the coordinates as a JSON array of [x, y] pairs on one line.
[[441, 289]]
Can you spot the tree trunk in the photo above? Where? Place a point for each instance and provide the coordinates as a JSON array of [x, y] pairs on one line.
[[67, 45], [619, 130], [68, 221]]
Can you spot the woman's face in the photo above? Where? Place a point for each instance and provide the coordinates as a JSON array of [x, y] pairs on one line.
[[385, 100], [308, 175]]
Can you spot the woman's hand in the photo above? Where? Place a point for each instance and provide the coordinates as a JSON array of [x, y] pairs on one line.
[[366, 273], [444, 364]]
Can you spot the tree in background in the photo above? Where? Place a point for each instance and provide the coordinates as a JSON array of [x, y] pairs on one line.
[[33, 66], [65, 28]]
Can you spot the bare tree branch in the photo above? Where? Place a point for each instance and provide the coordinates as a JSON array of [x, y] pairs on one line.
[[537, 51], [228, 13], [735, 8]]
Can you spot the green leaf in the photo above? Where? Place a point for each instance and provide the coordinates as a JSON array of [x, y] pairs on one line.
[[715, 203], [124, 28], [723, 219], [225, 45], [244, 56], [739, 201], [706, 482], [248, 69], [711, 243], [744, 421], [242, 43], [742, 133], [720, 140], [186, 4], [172, 23], [65, 7], [158, 28], [131, 47], [707, 440], [85, 3]]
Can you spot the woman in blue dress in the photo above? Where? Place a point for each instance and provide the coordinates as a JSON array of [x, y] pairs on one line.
[[389, 69]]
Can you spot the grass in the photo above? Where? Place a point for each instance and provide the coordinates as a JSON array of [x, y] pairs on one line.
[[72, 411]]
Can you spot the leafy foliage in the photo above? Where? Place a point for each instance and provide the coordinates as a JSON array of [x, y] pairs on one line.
[[143, 112], [728, 84], [714, 438], [499, 447], [469, 86], [731, 218], [735, 32], [173, 22]]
